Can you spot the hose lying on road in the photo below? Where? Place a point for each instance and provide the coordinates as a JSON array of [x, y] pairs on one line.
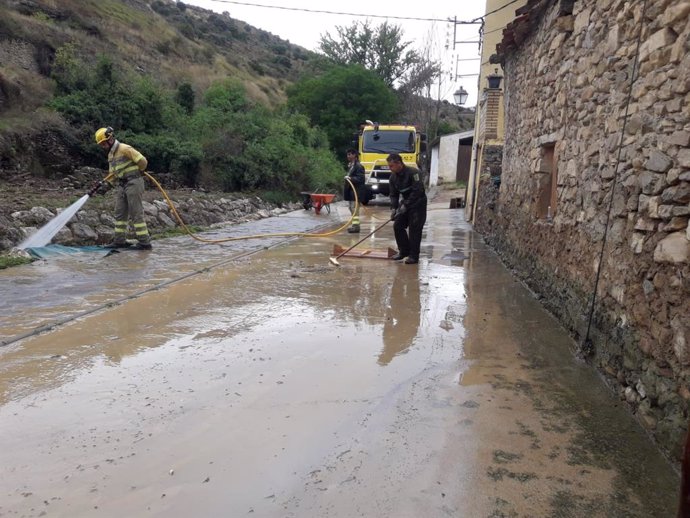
[[227, 239]]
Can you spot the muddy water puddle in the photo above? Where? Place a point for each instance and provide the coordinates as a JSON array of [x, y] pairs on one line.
[[50, 290], [279, 385]]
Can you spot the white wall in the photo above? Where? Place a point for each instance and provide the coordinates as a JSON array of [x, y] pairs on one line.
[[433, 171], [448, 156]]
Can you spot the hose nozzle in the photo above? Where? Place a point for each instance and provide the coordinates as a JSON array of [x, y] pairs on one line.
[[95, 188]]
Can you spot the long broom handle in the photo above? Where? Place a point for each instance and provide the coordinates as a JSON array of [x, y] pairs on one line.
[[363, 239]]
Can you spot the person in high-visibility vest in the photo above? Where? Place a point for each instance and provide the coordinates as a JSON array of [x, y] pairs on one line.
[[355, 174], [126, 167]]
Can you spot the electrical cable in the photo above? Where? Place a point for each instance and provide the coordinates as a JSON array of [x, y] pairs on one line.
[[495, 10], [586, 346], [249, 4], [58, 323]]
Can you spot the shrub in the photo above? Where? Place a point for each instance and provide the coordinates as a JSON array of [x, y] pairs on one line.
[[164, 47], [185, 97], [283, 60], [235, 144], [166, 153], [257, 67], [278, 198]]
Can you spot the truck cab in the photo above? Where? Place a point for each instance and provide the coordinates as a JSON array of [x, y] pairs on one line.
[[375, 142]]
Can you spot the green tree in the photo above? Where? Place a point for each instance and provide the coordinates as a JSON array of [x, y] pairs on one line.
[[185, 95], [226, 142], [341, 98], [380, 49]]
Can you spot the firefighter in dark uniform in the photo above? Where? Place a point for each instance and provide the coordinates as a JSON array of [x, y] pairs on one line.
[[406, 181]]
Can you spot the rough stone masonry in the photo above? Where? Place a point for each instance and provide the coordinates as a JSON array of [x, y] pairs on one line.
[[567, 77]]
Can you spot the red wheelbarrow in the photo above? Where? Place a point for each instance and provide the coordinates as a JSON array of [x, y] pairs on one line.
[[317, 201]]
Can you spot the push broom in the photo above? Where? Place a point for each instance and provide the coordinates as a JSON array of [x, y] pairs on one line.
[[334, 260]]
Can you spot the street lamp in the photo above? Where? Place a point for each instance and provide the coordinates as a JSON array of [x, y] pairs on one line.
[[460, 96], [494, 79]]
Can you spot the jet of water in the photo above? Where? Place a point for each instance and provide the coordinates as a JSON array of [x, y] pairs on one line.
[[44, 234]]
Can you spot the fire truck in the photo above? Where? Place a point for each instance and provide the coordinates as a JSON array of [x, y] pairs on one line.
[[375, 142]]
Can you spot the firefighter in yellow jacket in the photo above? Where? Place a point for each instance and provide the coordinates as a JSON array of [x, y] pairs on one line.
[[126, 167]]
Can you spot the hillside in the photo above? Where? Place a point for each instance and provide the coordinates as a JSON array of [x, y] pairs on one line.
[[165, 40], [168, 42]]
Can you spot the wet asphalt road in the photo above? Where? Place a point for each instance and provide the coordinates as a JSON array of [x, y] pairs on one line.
[[278, 385]]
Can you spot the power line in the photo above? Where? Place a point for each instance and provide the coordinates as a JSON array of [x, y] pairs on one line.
[[495, 10], [284, 8], [496, 30]]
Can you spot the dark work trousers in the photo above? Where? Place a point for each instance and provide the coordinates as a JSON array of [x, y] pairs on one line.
[[408, 245]]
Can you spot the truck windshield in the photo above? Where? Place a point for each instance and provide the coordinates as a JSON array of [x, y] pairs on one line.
[[388, 141]]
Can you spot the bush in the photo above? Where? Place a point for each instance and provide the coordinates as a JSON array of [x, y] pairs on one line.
[[236, 145], [185, 97], [278, 198], [166, 153], [283, 61]]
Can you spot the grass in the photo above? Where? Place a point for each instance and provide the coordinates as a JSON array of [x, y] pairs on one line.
[[177, 231], [6, 261]]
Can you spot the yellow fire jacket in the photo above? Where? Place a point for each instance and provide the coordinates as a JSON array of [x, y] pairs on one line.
[[124, 161]]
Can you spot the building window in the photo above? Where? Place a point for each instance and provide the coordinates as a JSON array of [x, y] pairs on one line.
[[546, 182]]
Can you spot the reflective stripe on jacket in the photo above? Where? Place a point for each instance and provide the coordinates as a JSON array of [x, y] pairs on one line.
[[124, 161]]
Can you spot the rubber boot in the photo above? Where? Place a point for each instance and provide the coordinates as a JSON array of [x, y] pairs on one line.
[[354, 229], [117, 244]]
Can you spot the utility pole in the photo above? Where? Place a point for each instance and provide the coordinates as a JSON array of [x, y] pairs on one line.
[[457, 60], [455, 29]]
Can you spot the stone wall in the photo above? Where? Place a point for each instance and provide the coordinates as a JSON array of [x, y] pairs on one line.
[[488, 188], [492, 161], [95, 225], [566, 87]]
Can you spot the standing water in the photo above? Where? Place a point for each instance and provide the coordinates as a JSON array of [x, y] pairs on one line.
[[44, 234]]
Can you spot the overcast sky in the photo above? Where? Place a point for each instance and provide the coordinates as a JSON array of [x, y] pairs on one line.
[[305, 28]]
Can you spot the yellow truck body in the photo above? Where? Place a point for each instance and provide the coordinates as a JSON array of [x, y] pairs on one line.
[[375, 142]]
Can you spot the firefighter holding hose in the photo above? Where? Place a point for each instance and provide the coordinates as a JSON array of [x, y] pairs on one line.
[[126, 172], [354, 177]]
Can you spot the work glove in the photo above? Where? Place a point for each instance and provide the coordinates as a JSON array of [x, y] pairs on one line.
[[100, 187], [399, 212], [94, 188]]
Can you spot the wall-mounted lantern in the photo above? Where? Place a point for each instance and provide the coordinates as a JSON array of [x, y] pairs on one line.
[[494, 79], [460, 96]]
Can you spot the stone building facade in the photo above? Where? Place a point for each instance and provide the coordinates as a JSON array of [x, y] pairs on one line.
[[589, 196], [487, 149]]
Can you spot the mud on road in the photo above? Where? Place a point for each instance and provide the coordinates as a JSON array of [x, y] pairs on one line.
[[280, 385]]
